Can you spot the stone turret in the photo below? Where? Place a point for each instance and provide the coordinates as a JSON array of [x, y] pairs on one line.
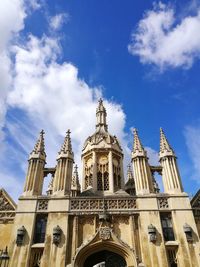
[[102, 158], [35, 173], [142, 173], [63, 174], [170, 173]]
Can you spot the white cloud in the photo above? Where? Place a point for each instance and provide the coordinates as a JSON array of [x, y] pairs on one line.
[[192, 135], [54, 97], [38, 92], [58, 20], [160, 40]]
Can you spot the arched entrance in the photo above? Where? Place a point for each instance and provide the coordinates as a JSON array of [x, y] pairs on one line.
[[105, 258]]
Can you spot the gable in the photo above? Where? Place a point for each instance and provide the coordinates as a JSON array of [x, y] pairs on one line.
[[195, 202], [6, 202]]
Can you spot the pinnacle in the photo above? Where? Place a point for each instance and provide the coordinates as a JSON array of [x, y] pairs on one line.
[[101, 106], [39, 146], [164, 144], [137, 145], [75, 178], [129, 172], [67, 146]]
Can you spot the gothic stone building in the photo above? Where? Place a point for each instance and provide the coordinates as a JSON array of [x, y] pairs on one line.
[[108, 222]]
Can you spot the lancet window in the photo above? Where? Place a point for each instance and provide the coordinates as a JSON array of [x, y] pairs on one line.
[[116, 174], [102, 177], [40, 228]]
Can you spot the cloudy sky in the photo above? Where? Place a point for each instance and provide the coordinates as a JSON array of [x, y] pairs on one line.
[[58, 57]]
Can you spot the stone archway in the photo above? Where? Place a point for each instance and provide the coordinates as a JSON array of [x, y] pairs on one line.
[[117, 249], [105, 258]]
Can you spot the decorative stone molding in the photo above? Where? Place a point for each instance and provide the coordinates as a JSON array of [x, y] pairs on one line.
[[105, 233], [98, 204], [5, 205], [163, 203], [42, 204]]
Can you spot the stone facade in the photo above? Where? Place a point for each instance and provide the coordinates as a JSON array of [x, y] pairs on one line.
[[109, 222]]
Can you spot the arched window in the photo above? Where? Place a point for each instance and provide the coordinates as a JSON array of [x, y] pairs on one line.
[[106, 181], [99, 181], [102, 181], [86, 181], [40, 228], [90, 180], [119, 181]]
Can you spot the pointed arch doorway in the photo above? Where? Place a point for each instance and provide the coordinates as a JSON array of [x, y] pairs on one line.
[[105, 258]]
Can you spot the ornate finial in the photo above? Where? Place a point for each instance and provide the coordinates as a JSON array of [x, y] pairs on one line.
[[101, 106], [39, 146], [164, 144], [137, 145], [129, 172], [101, 117], [75, 179], [67, 146]]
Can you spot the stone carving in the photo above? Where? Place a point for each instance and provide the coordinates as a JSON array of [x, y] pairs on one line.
[[4, 204], [105, 233], [43, 204], [163, 203], [7, 215], [98, 204]]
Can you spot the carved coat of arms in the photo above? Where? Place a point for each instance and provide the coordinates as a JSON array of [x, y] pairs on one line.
[[105, 233]]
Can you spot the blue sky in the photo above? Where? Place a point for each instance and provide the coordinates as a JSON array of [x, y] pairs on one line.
[[59, 57]]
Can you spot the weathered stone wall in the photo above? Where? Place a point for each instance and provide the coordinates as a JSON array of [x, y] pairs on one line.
[[5, 234]]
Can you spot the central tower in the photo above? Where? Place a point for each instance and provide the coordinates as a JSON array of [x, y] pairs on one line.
[[102, 158]]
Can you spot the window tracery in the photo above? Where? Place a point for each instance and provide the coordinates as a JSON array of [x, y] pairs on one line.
[[102, 174]]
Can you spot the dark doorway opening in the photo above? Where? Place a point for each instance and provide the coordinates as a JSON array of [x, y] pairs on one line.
[[105, 258]]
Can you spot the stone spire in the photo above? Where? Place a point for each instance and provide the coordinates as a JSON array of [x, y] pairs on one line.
[[63, 173], [129, 173], [66, 148], [170, 173], [101, 117], [75, 187], [35, 173], [142, 172], [39, 148], [165, 148], [138, 149]]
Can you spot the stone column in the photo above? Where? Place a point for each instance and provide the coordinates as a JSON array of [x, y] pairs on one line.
[[110, 168], [94, 160], [122, 173]]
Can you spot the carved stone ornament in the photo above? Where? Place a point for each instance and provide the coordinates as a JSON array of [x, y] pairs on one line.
[[43, 204], [163, 203], [105, 233], [57, 232], [152, 233], [4, 203], [20, 235]]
